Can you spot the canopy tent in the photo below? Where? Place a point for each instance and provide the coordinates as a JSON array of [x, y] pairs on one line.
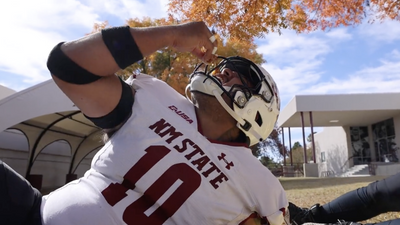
[[5, 91], [45, 115]]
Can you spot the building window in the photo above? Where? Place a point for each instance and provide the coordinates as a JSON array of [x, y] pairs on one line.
[[322, 156], [360, 145], [385, 147]]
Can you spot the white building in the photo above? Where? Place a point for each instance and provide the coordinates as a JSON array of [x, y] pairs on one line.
[[359, 129]]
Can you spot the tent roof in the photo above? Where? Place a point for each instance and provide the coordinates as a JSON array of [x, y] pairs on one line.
[[44, 114], [5, 91]]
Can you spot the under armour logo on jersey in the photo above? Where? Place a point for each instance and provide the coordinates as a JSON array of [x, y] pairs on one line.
[[228, 164]]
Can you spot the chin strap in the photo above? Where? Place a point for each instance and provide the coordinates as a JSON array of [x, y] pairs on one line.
[[241, 122]]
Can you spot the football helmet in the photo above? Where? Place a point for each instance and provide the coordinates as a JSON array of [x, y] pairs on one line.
[[256, 102]]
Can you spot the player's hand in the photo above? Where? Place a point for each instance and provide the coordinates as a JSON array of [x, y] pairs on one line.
[[195, 37]]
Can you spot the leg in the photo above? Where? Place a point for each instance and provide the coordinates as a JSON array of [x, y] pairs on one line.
[[19, 201], [389, 222], [341, 222], [364, 203], [361, 204]]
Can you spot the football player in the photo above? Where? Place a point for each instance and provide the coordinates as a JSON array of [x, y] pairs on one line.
[[168, 159]]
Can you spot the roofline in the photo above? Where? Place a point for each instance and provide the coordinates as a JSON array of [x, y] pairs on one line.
[[339, 102]]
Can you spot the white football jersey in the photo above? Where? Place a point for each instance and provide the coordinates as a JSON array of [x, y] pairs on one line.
[[159, 169]]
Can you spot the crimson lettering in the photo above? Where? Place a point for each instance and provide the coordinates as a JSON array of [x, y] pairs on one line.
[[161, 125], [197, 156], [219, 179], [201, 162], [184, 145], [211, 169], [197, 150]]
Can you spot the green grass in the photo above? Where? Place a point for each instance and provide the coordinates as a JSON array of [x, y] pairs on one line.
[[306, 192]]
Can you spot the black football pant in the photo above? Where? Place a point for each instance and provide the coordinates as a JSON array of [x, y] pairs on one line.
[[19, 201], [364, 203]]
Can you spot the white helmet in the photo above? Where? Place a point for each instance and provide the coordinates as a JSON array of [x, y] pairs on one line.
[[255, 108]]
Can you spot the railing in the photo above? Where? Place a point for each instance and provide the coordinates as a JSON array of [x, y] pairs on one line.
[[372, 168], [279, 171], [392, 156], [346, 163]]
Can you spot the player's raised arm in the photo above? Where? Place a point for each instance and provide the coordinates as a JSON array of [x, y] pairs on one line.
[[84, 69]]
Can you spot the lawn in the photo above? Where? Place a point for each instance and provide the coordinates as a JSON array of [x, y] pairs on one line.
[[305, 192]]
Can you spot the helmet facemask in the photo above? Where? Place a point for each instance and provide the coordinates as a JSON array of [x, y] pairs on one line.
[[252, 100]]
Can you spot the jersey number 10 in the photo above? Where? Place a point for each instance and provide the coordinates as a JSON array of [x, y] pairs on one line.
[[135, 212]]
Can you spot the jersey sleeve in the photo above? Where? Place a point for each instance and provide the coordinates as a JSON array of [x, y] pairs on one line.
[[268, 196]]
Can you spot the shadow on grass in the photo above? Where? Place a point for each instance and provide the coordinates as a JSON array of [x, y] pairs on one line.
[[307, 182]]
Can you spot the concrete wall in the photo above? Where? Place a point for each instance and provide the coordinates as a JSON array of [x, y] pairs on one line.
[[332, 141], [387, 169], [311, 170]]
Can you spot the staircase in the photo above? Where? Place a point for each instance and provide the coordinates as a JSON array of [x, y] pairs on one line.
[[357, 171]]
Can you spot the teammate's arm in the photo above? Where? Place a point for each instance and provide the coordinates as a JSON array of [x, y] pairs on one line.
[[84, 69]]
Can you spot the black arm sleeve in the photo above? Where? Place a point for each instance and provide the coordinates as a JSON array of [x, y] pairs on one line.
[[67, 70], [120, 113], [121, 45]]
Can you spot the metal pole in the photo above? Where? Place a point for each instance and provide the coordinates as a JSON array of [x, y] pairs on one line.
[[283, 146], [312, 137], [304, 138], [290, 144]]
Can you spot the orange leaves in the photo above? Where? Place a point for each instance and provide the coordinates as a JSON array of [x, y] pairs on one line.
[[236, 47], [245, 19], [176, 81], [386, 9], [175, 67]]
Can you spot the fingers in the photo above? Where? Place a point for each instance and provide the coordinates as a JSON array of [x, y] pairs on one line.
[[196, 38], [213, 39], [209, 49]]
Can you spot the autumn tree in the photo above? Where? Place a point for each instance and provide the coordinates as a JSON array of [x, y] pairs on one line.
[[298, 155], [296, 145], [246, 19], [175, 67]]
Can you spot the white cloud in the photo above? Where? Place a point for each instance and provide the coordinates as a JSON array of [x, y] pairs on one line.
[[293, 48], [339, 34], [126, 9], [382, 78], [33, 28], [395, 54], [292, 79], [47, 14], [387, 31], [294, 60]]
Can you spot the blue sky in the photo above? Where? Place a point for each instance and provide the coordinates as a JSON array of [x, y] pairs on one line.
[[360, 59]]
